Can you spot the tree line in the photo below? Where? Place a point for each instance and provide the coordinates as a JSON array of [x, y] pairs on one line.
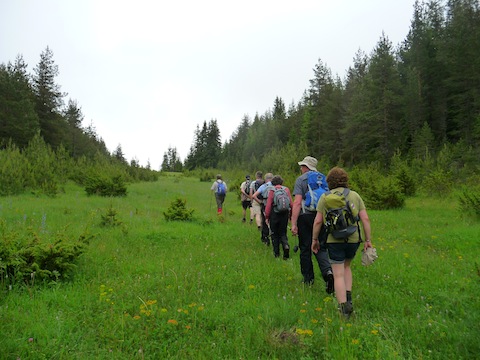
[[419, 100], [42, 141]]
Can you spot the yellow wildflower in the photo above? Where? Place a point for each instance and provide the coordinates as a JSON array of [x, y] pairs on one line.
[[304, 332]]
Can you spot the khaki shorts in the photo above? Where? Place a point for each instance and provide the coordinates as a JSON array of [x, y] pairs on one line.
[[256, 208]]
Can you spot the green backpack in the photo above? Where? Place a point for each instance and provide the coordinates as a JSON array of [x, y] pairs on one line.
[[339, 218]]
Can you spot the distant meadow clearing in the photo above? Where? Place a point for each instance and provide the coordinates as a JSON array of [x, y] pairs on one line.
[[208, 288]]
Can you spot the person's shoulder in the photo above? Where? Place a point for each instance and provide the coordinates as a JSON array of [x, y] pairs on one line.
[[354, 193], [303, 177]]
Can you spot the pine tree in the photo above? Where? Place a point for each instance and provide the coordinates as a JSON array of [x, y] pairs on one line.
[[74, 117], [18, 119], [49, 100]]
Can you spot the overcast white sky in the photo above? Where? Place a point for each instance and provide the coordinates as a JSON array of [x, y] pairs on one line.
[[147, 72]]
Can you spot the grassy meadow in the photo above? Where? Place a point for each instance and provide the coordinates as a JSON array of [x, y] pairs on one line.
[[209, 289]]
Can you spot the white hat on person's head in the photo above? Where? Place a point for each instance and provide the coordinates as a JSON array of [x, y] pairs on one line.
[[309, 162]]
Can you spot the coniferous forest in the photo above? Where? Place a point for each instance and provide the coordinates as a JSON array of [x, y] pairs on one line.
[[415, 100], [413, 105]]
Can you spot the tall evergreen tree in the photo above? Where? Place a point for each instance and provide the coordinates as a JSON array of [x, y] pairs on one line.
[[322, 122], [213, 145], [49, 99], [461, 54], [385, 98], [18, 119], [424, 69], [355, 107], [206, 149], [171, 161], [74, 117], [118, 155]]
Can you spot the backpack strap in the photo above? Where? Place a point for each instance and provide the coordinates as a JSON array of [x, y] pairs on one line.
[[346, 191]]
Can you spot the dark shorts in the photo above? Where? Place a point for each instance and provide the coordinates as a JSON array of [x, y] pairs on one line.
[[339, 252], [246, 204]]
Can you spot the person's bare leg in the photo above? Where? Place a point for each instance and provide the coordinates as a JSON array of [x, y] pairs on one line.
[[348, 275], [339, 279]]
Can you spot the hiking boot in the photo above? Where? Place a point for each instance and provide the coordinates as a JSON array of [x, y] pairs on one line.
[[346, 309], [350, 304], [329, 283], [308, 282], [286, 254], [243, 220]]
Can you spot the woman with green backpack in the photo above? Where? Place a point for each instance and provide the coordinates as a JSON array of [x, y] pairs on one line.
[[347, 210]]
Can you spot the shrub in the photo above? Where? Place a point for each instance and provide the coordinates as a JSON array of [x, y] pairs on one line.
[[386, 194], [469, 202], [404, 174], [178, 211], [207, 177], [377, 190], [405, 181], [13, 170], [438, 181], [110, 218], [28, 257], [104, 186]]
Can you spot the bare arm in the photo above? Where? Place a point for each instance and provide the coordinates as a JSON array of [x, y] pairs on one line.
[[297, 204], [317, 224], [366, 228], [255, 197], [268, 208]]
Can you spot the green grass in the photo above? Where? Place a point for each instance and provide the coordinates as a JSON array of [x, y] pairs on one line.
[[208, 289]]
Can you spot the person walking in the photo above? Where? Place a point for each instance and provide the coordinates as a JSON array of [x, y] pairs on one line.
[[245, 198], [219, 188], [342, 251], [277, 215], [260, 196], [302, 225], [256, 209]]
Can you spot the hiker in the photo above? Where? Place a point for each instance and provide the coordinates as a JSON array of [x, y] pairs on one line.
[[277, 214], [219, 188], [302, 225], [342, 251], [260, 196], [256, 205], [245, 198]]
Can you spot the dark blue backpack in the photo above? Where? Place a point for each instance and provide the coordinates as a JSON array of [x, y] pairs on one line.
[[317, 186]]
